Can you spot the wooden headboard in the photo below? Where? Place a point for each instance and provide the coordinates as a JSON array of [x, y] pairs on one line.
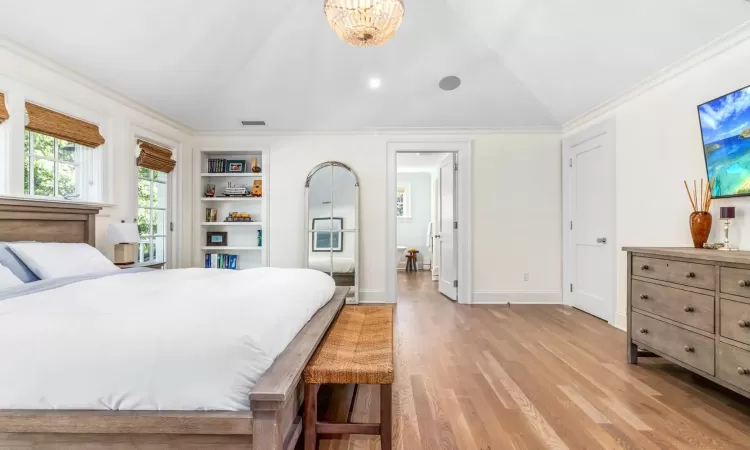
[[47, 221]]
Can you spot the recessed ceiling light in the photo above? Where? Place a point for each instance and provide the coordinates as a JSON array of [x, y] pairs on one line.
[[450, 83], [417, 154], [375, 82]]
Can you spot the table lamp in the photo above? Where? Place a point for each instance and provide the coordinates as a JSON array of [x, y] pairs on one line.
[[726, 213], [125, 236]]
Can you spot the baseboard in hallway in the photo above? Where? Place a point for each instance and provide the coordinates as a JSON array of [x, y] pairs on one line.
[[517, 297]]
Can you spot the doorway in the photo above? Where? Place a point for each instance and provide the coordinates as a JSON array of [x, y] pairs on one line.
[[429, 218], [589, 247]]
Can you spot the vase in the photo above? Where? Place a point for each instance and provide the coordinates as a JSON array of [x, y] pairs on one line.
[[700, 227]]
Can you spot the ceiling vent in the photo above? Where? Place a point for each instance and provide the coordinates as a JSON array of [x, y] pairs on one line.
[[254, 123]]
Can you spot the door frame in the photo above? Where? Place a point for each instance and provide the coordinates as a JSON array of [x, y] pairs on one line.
[[605, 128], [463, 150]]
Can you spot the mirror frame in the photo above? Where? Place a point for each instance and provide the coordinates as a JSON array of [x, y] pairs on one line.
[[351, 299]]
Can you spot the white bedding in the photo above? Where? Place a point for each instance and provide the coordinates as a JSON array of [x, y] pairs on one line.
[[188, 339], [322, 261]]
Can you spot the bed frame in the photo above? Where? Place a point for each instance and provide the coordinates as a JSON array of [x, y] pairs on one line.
[[274, 422]]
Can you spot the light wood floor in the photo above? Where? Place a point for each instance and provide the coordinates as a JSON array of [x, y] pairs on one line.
[[535, 377]]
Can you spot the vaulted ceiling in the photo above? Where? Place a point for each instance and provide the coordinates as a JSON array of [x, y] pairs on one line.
[[211, 64]]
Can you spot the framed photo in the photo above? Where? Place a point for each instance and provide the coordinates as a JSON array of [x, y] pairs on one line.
[[216, 239], [325, 236], [236, 165]]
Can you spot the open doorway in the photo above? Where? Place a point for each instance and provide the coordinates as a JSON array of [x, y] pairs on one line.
[[425, 214], [429, 220]]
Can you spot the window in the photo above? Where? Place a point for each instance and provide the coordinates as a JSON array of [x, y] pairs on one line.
[[152, 215], [403, 201], [56, 166]]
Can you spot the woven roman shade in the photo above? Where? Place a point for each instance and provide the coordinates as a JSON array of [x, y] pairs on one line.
[[51, 123], [3, 110], [155, 157]]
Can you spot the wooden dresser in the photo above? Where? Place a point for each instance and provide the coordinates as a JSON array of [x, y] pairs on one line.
[[692, 307]]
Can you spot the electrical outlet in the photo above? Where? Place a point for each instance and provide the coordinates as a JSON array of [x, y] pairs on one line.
[[526, 276]]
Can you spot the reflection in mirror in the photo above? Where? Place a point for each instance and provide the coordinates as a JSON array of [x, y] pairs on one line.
[[332, 223]]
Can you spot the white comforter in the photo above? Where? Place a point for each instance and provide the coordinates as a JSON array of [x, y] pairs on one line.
[[324, 263], [188, 339]]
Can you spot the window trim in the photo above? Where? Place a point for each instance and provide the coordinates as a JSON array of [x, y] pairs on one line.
[[406, 188]]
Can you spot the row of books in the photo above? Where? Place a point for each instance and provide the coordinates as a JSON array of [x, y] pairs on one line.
[[217, 165], [211, 215], [221, 261]]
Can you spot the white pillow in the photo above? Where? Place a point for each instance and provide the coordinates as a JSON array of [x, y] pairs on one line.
[[57, 260], [8, 279]]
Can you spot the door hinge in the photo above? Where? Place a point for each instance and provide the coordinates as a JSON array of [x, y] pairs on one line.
[[570, 164], [171, 226], [571, 287], [455, 166], [455, 225], [455, 283], [571, 224]]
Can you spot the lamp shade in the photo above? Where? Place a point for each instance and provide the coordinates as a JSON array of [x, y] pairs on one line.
[[727, 212], [123, 233]]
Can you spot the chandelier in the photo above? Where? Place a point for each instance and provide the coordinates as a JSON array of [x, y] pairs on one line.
[[365, 23]]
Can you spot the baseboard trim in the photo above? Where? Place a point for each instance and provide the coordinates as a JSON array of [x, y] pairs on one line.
[[517, 297], [621, 321], [367, 296]]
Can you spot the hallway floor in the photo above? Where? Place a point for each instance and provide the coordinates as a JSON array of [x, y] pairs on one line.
[[534, 377]]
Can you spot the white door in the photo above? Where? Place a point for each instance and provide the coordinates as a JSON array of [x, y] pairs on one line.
[[446, 231], [591, 202]]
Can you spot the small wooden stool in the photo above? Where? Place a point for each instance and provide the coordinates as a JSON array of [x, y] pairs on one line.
[[358, 349], [411, 261]]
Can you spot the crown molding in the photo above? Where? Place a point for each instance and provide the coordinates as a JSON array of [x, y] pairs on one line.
[[77, 77], [716, 47], [396, 131]]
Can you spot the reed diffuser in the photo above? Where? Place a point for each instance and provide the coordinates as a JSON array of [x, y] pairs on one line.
[[700, 218]]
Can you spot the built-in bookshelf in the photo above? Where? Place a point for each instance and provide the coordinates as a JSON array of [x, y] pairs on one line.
[[233, 216]]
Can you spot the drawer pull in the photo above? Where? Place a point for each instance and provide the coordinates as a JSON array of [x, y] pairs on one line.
[[743, 283], [644, 297], [689, 309], [743, 371], [689, 274], [744, 323], [689, 349], [644, 267], [643, 331]]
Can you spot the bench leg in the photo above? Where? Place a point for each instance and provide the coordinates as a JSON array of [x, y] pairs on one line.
[[386, 416], [311, 416]]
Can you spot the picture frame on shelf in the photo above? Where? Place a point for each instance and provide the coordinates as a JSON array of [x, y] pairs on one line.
[[216, 238], [326, 238], [236, 165]]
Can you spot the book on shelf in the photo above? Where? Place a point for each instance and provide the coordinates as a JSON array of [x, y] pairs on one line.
[[217, 165], [211, 215], [220, 261]]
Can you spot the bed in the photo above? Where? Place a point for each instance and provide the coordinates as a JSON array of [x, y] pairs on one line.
[[267, 417], [343, 267]]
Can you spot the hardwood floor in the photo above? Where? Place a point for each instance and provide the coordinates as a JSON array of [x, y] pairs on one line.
[[534, 377]]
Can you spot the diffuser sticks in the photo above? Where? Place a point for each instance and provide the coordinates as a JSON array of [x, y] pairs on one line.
[[700, 200]]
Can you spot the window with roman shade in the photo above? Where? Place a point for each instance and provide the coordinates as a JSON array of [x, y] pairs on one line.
[[154, 165], [61, 156], [3, 110]]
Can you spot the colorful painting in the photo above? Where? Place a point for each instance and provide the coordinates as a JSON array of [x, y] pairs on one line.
[[725, 124]]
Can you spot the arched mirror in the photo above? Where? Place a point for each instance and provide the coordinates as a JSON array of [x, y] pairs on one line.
[[332, 224]]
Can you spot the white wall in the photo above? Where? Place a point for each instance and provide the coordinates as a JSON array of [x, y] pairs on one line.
[[658, 145], [25, 76], [516, 183], [411, 232]]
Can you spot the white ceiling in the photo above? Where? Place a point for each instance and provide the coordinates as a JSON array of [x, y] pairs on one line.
[[210, 64]]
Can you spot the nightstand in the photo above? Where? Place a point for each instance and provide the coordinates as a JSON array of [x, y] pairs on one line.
[[150, 265]]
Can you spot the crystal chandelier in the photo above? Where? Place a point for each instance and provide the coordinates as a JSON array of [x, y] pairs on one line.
[[365, 23]]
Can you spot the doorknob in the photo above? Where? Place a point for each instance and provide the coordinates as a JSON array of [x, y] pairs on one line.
[[601, 240], [437, 236]]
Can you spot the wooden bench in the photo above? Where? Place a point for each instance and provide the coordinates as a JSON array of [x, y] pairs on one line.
[[358, 349]]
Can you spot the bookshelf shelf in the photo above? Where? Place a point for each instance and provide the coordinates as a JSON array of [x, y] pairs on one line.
[[232, 224], [242, 237]]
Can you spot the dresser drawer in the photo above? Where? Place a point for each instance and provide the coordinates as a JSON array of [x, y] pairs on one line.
[[686, 307], [735, 320], [733, 365], [735, 281], [689, 274], [683, 345]]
